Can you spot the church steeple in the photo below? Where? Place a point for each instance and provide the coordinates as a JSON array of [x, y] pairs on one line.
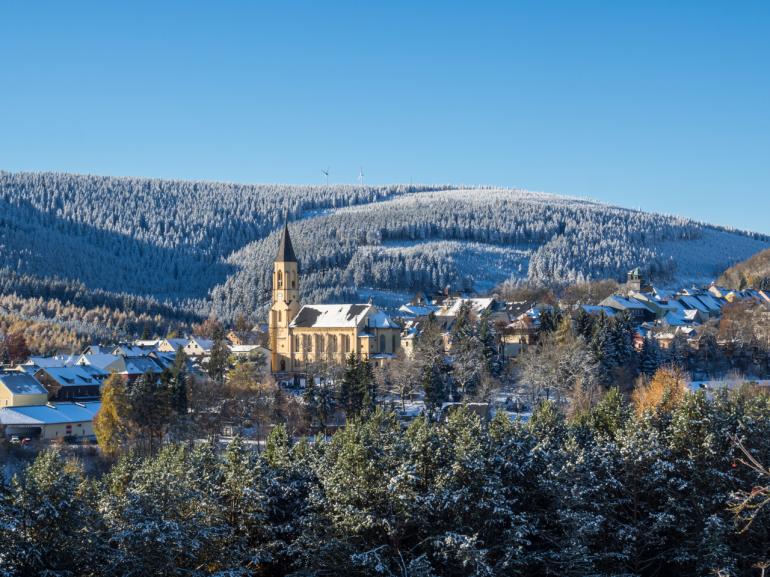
[[285, 303], [285, 249]]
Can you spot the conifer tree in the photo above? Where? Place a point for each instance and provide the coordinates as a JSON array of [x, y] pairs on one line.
[[220, 355], [650, 357]]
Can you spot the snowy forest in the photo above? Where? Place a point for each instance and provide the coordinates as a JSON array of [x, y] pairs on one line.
[[198, 246], [641, 489]]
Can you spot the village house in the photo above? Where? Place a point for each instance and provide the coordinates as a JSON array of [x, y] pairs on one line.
[[171, 345], [198, 347], [19, 389], [50, 421], [517, 336], [302, 334], [72, 383]]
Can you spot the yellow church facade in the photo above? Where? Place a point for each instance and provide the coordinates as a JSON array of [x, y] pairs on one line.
[[304, 334]]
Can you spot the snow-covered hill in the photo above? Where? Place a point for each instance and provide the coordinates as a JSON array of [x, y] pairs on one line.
[[212, 244]]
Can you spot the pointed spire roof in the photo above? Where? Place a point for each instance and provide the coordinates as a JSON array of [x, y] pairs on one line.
[[285, 249]]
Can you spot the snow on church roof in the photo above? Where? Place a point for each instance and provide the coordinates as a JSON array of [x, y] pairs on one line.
[[329, 316], [340, 316]]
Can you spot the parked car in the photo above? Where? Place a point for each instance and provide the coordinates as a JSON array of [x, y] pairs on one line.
[[26, 441], [15, 440]]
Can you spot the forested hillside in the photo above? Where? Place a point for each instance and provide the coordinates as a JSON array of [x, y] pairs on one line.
[[752, 273], [196, 245], [467, 238]]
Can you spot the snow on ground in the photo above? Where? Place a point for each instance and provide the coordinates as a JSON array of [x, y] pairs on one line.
[[730, 383]]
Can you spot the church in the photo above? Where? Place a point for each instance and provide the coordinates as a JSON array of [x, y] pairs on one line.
[[303, 334]]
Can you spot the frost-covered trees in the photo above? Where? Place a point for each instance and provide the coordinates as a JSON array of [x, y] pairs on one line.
[[612, 491], [197, 243]]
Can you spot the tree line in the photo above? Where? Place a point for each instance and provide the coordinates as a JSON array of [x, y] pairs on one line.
[[655, 487]]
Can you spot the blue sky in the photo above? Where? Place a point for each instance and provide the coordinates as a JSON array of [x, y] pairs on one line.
[[659, 105]]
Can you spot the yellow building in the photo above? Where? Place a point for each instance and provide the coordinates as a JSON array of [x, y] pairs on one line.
[[305, 334], [21, 390], [50, 421]]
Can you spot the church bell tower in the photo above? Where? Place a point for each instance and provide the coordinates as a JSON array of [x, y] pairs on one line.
[[285, 304]]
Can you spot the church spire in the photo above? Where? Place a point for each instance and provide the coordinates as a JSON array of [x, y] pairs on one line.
[[285, 249]]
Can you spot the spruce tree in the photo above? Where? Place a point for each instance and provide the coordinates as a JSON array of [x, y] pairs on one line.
[[219, 357], [650, 357]]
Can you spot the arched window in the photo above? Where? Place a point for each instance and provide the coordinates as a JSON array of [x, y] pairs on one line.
[[332, 343], [382, 343], [280, 279]]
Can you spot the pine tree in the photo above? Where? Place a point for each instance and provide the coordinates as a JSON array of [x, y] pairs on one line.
[[489, 344], [179, 384], [220, 355], [584, 324], [603, 345], [149, 410], [650, 357]]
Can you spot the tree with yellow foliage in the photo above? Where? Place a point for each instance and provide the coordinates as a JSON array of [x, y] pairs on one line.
[[664, 391], [110, 423]]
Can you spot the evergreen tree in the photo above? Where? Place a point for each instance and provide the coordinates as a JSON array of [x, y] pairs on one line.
[[54, 529], [488, 341], [584, 325], [149, 410], [219, 358], [650, 357], [179, 383], [603, 345]]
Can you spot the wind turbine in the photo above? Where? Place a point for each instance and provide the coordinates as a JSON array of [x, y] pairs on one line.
[[361, 175], [326, 174]]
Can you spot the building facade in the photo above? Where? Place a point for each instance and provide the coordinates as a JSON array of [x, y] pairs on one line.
[[300, 335]]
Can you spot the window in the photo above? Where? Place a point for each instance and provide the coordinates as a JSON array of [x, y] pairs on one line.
[[382, 343], [395, 342], [345, 344], [279, 316], [332, 343], [307, 343], [280, 279], [319, 344], [297, 343]]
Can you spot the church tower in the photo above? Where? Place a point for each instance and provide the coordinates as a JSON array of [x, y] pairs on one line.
[[285, 304]]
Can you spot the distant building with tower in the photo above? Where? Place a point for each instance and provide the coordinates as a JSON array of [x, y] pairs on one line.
[[635, 282], [304, 334]]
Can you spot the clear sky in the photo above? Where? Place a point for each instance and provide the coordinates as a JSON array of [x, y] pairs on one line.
[[659, 105]]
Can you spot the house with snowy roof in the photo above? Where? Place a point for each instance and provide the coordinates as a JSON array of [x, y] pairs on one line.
[[19, 389], [302, 334], [50, 421], [72, 383], [198, 347], [640, 311]]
